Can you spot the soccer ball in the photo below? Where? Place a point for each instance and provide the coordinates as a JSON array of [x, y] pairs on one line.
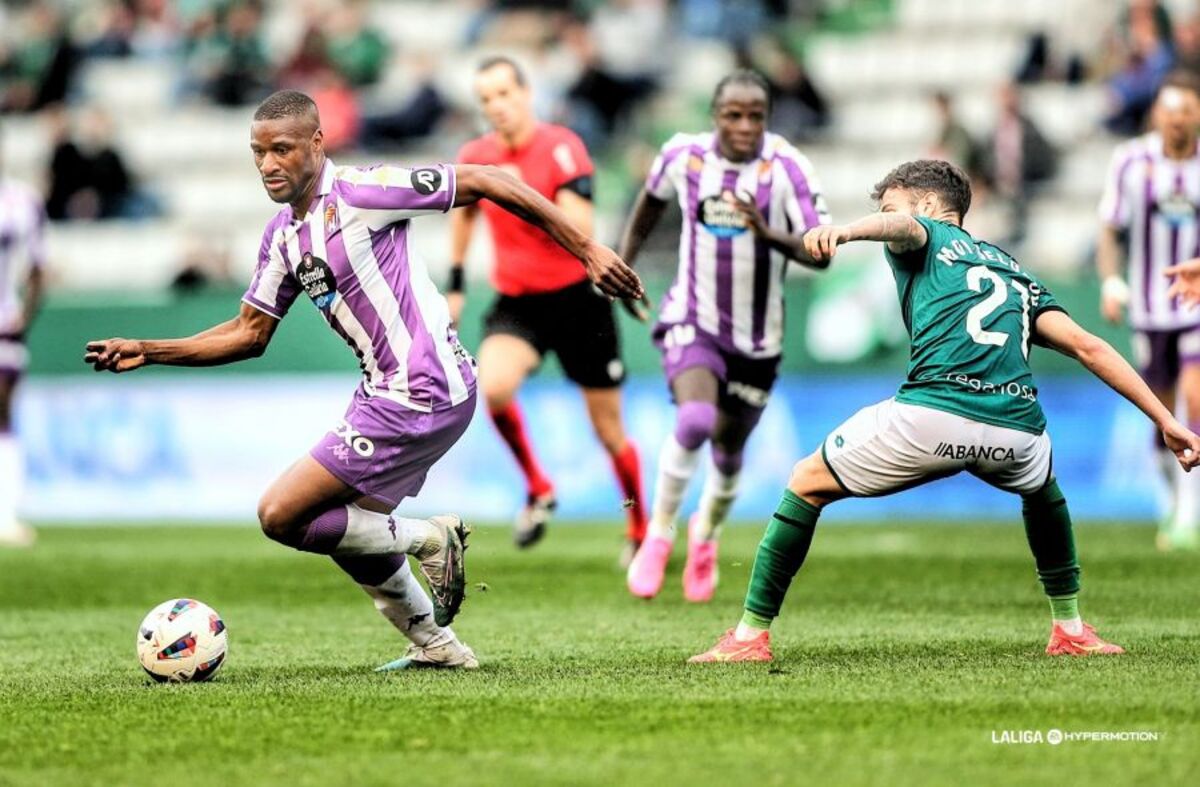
[[182, 640]]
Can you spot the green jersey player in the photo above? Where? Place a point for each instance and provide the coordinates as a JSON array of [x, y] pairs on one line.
[[968, 403]]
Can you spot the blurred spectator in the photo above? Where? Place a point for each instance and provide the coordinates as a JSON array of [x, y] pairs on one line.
[[36, 71], [954, 143], [599, 101], [88, 178], [359, 52], [224, 55], [117, 22], [1149, 58], [205, 263], [734, 21], [1187, 45], [798, 109], [415, 118], [1019, 158]]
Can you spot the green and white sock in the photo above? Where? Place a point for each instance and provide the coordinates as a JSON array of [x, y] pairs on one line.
[[1048, 530]]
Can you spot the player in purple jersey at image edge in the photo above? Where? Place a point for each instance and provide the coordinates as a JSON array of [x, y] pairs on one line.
[[344, 240], [22, 260], [747, 197], [1151, 209]]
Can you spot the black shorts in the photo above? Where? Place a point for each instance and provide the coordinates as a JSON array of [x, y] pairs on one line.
[[575, 323]]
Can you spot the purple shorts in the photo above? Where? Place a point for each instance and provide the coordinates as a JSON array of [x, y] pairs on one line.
[[745, 382], [1161, 355], [384, 450], [13, 357]]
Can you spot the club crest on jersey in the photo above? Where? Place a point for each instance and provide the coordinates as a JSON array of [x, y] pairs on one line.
[[317, 280], [720, 218], [1177, 208]]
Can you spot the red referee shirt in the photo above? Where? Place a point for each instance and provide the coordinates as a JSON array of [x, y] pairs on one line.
[[527, 260]]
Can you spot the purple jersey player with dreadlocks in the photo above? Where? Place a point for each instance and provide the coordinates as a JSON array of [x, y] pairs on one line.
[[344, 239]]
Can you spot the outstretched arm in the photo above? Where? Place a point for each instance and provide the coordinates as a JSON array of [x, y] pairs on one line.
[[245, 336], [1186, 284], [604, 267], [648, 210], [790, 245], [462, 223], [901, 232], [1059, 331], [1114, 292]]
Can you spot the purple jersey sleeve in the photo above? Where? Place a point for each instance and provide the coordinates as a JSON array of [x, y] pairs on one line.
[[387, 194], [273, 288], [805, 205], [660, 182], [1114, 205]]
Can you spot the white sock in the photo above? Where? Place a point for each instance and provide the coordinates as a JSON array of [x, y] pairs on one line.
[[720, 490], [1074, 626], [11, 480], [372, 533], [402, 600], [744, 633], [676, 466], [1167, 466], [1187, 499]]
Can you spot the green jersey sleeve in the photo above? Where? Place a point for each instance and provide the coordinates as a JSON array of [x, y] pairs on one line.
[[936, 234]]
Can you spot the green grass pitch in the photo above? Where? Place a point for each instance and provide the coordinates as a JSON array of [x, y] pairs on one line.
[[901, 652]]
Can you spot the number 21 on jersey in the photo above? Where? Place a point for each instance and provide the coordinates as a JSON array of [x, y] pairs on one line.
[[976, 276]]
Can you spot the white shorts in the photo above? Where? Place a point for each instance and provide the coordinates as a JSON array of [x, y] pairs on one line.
[[892, 446]]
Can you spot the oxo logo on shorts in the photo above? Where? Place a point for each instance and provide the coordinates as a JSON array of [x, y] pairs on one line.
[[353, 438]]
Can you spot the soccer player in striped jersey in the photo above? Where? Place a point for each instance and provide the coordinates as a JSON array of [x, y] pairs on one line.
[[545, 304], [344, 239], [22, 257], [969, 403], [1152, 203], [747, 196]]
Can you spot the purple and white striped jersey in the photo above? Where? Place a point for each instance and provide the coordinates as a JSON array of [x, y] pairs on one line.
[[1157, 200], [352, 255], [730, 283], [22, 246]]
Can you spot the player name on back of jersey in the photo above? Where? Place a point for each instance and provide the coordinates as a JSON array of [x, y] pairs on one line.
[[958, 250]]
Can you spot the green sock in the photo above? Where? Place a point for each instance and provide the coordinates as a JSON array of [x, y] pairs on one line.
[[780, 555], [1064, 607], [1048, 529]]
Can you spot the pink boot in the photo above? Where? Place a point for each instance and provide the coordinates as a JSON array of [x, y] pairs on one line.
[[645, 576], [700, 573]]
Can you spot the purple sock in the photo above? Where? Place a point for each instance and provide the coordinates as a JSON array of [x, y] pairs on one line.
[[372, 570], [694, 423], [727, 463], [324, 533]]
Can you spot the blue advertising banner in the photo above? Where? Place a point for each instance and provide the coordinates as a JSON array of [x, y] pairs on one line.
[[197, 448]]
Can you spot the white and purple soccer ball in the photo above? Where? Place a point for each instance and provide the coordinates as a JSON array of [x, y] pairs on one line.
[[182, 641]]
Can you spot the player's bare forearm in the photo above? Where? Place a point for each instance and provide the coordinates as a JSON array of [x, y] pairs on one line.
[[1108, 253], [462, 225], [606, 270], [578, 209], [1065, 335], [475, 182], [901, 232], [34, 289], [647, 212], [245, 336], [792, 246]]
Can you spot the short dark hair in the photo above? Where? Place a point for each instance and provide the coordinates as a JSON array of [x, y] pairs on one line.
[[491, 62], [1181, 79], [286, 104], [949, 182], [743, 76]]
